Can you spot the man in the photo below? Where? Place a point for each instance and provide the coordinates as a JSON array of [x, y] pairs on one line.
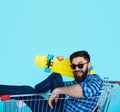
[[82, 88], [80, 91]]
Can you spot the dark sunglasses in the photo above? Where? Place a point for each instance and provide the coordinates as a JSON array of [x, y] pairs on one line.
[[80, 66]]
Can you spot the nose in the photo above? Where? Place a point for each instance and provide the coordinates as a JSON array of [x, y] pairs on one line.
[[77, 68]]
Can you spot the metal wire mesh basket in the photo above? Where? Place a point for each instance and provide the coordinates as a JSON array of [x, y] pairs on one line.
[[17, 103]]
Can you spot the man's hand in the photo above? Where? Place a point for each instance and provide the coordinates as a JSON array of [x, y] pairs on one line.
[[53, 97], [60, 58]]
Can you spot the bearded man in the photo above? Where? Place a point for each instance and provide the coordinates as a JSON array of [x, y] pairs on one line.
[[83, 89]]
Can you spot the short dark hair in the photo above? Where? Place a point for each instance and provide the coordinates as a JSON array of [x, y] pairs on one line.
[[82, 53]]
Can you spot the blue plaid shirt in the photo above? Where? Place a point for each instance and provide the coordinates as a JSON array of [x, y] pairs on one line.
[[91, 87]]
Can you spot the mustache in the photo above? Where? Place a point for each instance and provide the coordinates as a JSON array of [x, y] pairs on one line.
[[76, 71]]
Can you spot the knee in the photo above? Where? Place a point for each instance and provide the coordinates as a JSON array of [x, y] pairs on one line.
[[55, 75]]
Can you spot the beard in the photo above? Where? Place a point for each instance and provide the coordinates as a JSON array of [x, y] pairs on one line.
[[80, 78]]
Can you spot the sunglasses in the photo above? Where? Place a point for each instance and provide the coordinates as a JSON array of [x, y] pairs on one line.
[[80, 66]]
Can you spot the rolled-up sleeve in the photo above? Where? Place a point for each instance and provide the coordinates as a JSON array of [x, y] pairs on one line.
[[91, 86]]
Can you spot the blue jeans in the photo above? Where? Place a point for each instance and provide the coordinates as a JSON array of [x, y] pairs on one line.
[[53, 81]]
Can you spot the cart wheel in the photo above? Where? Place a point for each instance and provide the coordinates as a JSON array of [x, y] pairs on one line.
[[50, 56], [47, 70]]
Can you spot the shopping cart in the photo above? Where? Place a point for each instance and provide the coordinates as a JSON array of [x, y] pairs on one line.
[[109, 94], [24, 102]]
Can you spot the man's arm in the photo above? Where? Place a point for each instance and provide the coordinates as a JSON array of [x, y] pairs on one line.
[[74, 90]]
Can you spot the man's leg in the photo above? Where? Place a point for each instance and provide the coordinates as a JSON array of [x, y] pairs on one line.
[[14, 90], [51, 82]]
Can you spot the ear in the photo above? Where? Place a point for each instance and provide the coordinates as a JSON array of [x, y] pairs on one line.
[[89, 64]]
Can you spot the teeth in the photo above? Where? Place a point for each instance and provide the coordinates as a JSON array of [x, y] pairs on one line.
[[78, 71]]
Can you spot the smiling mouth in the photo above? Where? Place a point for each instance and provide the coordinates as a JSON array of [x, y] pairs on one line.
[[77, 72]]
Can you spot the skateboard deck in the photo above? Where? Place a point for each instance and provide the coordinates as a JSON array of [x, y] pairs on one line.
[[62, 67]]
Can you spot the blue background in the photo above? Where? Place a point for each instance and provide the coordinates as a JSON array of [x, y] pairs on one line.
[[59, 27]]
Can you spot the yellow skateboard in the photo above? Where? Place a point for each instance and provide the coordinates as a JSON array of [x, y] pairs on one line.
[[52, 64]]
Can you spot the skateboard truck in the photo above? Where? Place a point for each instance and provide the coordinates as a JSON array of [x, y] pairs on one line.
[[49, 63]]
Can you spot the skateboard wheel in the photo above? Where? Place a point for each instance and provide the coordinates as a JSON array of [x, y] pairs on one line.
[[47, 70], [50, 56], [92, 72], [91, 68]]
